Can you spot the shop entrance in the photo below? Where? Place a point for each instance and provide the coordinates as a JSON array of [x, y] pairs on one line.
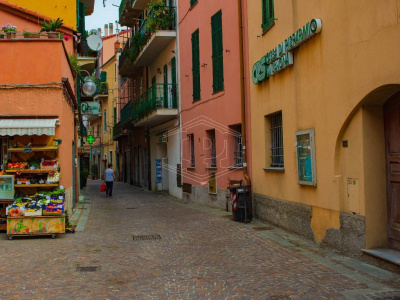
[[392, 138]]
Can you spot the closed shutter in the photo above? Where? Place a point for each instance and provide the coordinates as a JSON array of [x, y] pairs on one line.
[[103, 76], [196, 65], [217, 52], [174, 88], [81, 17], [165, 88], [268, 18]]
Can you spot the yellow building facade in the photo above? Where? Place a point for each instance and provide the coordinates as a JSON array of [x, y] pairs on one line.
[[325, 127], [63, 9]]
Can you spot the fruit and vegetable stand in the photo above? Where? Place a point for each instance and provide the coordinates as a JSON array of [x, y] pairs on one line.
[[37, 206]]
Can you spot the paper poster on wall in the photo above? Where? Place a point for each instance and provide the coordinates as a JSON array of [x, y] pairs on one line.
[[306, 171]]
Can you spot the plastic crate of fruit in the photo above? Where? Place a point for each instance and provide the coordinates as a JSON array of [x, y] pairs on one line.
[[49, 165], [33, 212], [53, 210]]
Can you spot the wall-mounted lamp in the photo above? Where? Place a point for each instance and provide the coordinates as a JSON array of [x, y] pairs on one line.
[[258, 36], [58, 141], [227, 50], [203, 65], [158, 70], [173, 51]]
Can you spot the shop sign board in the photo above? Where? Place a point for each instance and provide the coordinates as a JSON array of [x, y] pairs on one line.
[[90, 108], [280, 57]]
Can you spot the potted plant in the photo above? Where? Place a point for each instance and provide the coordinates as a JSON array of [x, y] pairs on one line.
[[30, 35], [94, 171], [50, 27], [10, 30]]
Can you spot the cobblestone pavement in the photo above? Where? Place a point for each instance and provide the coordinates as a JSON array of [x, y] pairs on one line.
[[202, 254]]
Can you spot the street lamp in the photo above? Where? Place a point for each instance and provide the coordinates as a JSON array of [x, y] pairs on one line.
[[89, 87]]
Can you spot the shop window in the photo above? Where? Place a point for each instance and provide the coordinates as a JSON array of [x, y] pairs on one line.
[[212, 183], [268, 18], [217, 52], [274, 138], [306, 170]]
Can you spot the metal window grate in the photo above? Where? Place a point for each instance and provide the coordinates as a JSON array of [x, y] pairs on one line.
[[276, 140], [213, 149], [238, 153], [191, 145], [148, 237]]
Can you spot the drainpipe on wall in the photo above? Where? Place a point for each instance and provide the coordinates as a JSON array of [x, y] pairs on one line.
[[242, 94]]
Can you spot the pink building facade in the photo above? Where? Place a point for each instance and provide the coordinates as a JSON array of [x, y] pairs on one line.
[[211, 54]]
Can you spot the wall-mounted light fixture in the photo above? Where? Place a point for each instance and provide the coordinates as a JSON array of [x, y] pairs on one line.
[[227, 50], [203, 65], [173, 51], [158, 70]]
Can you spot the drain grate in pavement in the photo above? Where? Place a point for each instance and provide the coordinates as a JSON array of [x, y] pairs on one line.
[[147, 237], [263, 228], [131, 208], [88, 269]]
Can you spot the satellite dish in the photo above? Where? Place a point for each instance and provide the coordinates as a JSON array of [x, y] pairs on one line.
[[94, 42]]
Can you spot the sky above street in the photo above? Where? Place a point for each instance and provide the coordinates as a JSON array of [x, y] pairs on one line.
[[103, 15]]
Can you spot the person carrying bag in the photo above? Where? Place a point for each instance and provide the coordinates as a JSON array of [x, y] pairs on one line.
[[109, 178]]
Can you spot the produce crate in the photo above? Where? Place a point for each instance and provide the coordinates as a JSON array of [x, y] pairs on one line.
[[49, 165], [33, 213], [53, 210]]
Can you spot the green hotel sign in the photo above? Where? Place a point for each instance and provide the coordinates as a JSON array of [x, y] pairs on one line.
[[281, 56]]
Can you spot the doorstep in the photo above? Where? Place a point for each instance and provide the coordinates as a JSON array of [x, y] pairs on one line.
[[387, 254]]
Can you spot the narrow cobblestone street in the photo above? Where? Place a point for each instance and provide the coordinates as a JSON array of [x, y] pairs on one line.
[[202, 254]]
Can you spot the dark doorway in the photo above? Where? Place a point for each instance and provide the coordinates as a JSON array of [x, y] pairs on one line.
[[392, 137]]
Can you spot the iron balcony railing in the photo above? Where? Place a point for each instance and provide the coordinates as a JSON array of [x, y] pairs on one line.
[[117, 129], [122, 7], [159, 95], [126, 112], [124, 55], [159, 18]]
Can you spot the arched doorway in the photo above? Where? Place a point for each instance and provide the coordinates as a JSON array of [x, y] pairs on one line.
[[392, 141]]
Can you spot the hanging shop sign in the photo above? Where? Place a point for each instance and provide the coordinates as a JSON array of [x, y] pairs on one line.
[[281, 56], [90, 108]]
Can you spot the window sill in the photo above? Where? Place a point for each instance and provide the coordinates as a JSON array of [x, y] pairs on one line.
[[277, 170], [235, 168], [222, 92], [211, 168], [266, 29]]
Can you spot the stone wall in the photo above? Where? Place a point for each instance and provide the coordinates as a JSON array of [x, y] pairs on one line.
[[200, 195]]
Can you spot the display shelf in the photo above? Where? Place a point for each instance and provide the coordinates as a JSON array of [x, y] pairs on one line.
[[36, 185], [27, 171], [34, 149]]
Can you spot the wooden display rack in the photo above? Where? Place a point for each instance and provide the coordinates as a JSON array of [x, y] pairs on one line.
[[35, 225]]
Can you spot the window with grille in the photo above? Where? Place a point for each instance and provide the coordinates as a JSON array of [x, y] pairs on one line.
[[276, 140], [213, 147], [196, 65], [217, 52], [191, 150], [267, 14], [238, 153]]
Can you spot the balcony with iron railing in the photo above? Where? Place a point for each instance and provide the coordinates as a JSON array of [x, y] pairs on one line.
[[156, 105], [127, 13], [156, 32], [118, 130], [125, 66]]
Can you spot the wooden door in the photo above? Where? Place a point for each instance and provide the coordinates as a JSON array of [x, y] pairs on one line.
[[392, 135]]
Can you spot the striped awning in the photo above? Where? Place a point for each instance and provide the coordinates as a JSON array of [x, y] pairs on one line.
[[27, 127]]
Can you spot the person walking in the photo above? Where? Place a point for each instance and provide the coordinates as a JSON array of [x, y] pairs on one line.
[[109, 178]]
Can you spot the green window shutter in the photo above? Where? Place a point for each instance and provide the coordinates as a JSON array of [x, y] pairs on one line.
[[196, 65], [174, 88], [81, 17], [217, 52], [193, 2], [105, 120], [165, 88], [268, 18], [115, 116], [103, 76]]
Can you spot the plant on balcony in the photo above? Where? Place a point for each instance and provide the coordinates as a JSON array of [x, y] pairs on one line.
[[30, 35], [73, 60], [51, 26], [159, 18], [10, 30]]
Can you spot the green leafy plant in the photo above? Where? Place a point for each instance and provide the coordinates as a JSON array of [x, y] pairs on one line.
[[94, 170], [9, 28], [84, 173], [28, 33], [52, 25], [73, 60]]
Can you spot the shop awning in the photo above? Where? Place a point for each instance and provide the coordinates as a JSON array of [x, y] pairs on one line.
[[27, 127]]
